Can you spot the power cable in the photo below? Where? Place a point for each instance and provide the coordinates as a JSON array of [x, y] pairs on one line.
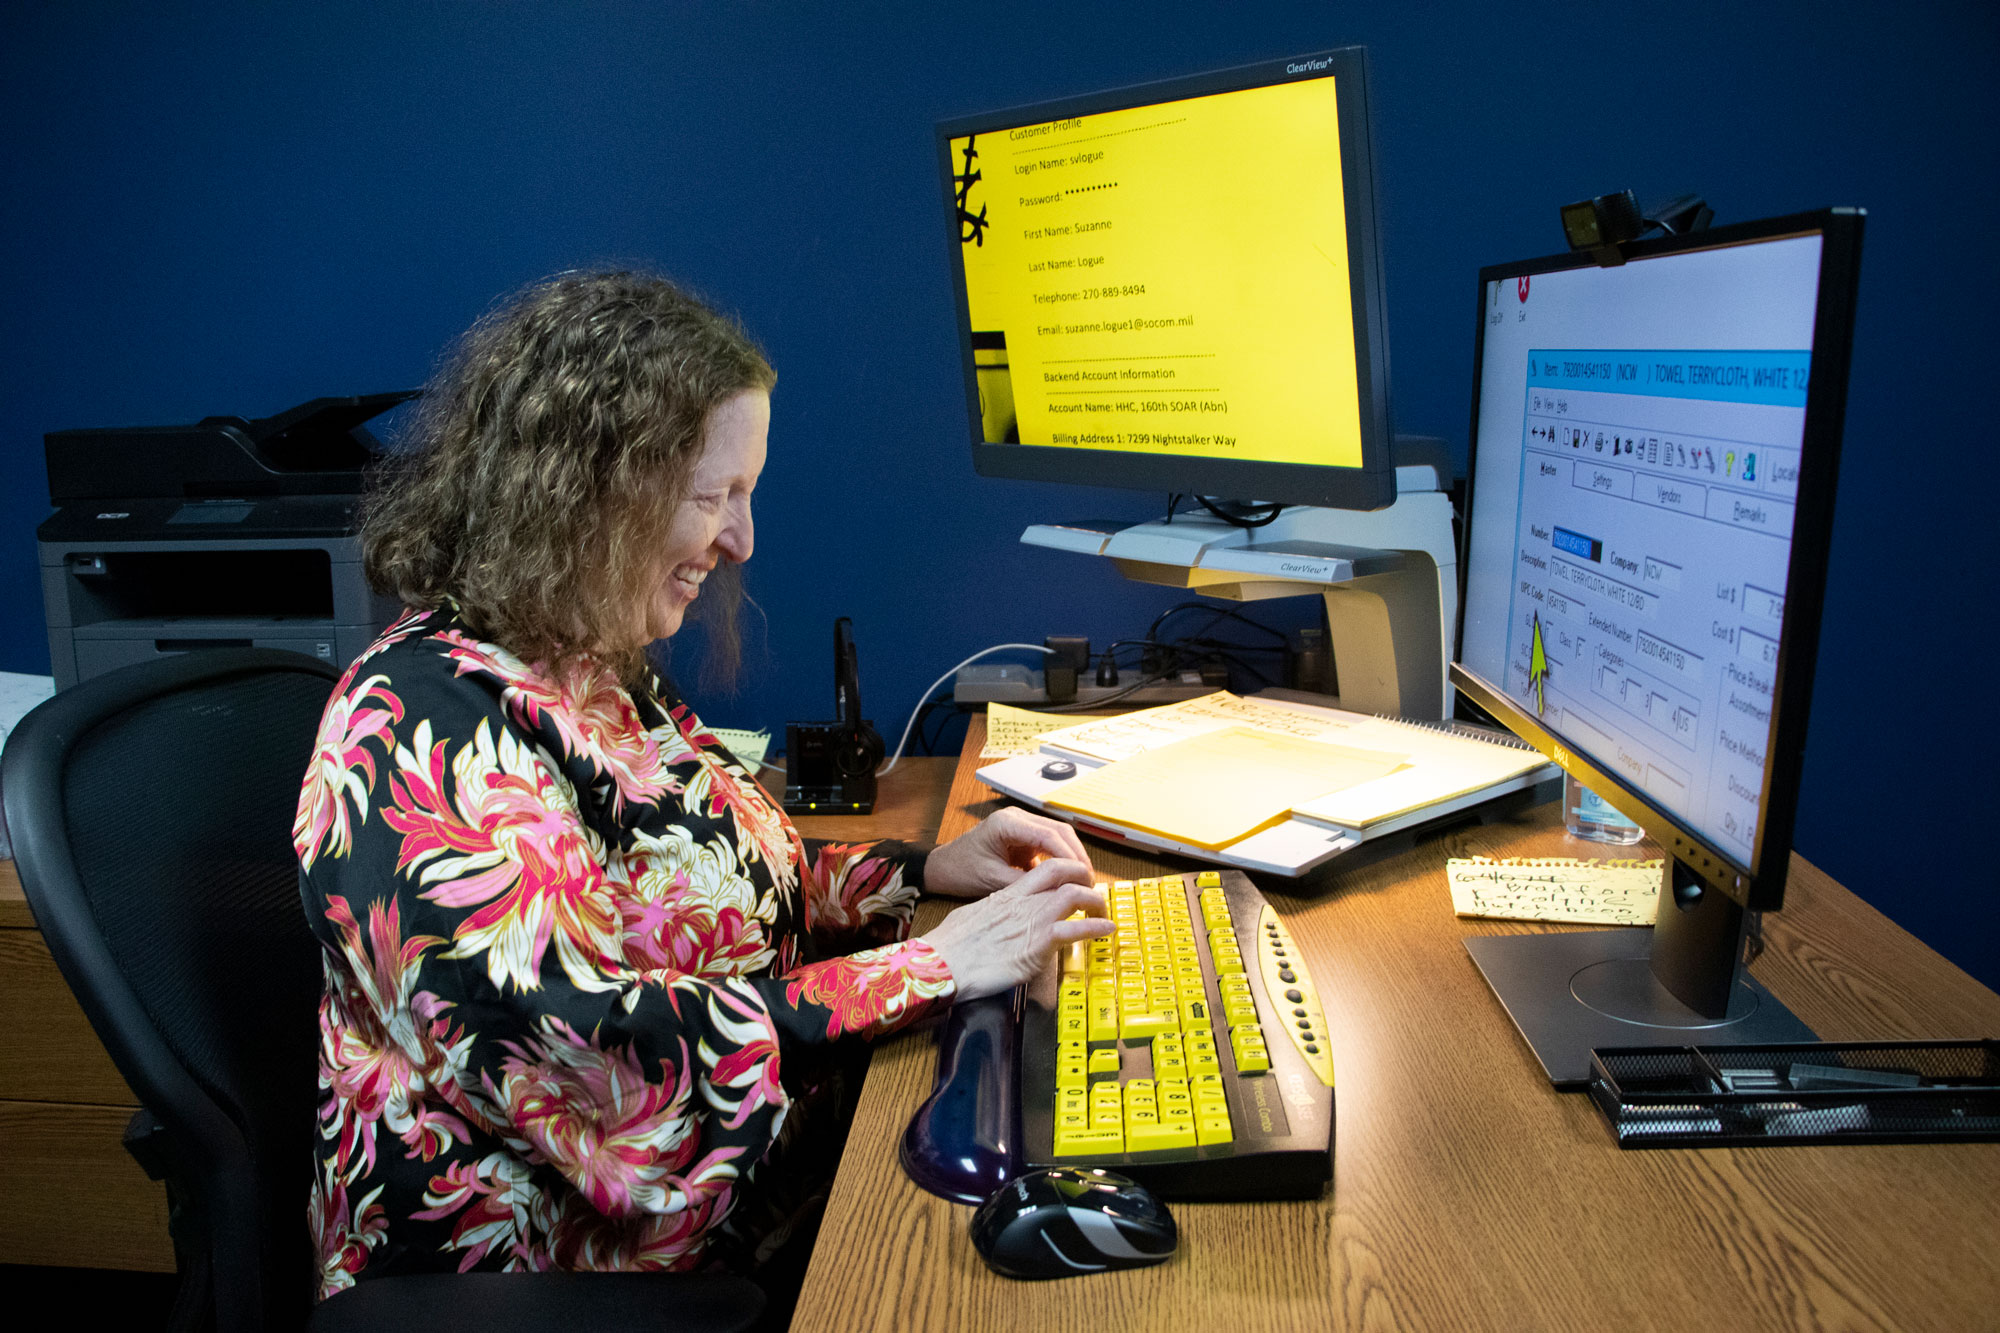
[[984, 652]]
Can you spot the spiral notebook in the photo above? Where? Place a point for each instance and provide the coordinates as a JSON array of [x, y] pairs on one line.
[[1390, 775], [1433, 762], [1221, 786]]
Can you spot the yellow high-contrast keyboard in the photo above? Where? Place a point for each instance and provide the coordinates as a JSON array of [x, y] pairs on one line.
[[1188, 1051]]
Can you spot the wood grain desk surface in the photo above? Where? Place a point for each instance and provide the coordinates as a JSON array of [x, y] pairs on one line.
[[1467, 1193]]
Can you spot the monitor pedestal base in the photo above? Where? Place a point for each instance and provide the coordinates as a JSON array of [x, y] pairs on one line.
[[1569, 993], [1389, 578]]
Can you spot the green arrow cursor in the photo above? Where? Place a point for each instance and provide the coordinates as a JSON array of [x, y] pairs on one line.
[[1538, 667]]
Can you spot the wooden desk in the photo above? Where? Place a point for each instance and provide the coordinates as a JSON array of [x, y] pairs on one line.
[[1467, 1193], [69, 1192]]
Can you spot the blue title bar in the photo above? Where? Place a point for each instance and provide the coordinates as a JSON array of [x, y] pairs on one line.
[[1774, 378]]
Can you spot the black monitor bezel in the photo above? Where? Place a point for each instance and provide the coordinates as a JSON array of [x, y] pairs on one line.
[[1759, 885], [1369, 486]]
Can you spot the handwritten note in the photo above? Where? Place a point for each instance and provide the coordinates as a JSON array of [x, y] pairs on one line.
[[1011, 731], [1556, 888], [749, 747]]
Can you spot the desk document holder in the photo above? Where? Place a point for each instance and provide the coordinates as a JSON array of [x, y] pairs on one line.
[[1809, 1092]]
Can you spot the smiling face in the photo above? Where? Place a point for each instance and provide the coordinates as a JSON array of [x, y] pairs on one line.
[[712, 523]]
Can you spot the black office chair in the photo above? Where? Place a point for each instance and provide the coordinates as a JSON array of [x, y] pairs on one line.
[[151, 813]]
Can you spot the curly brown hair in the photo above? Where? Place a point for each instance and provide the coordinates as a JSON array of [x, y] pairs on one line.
[[548, 456]]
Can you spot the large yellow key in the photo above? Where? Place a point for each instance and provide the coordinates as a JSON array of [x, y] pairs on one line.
[[1092, 1142], [1102, 1024], [1147, 1138], [1137, 1024], [1252, 1056]]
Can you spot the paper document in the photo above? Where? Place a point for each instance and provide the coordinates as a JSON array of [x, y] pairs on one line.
[[1441, 764], [1011, 731], [1127, 734], [18, 696], [1216, 787], [1560, 888], [749, 747]]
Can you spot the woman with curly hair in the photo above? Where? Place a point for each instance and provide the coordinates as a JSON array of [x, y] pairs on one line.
[[587, 990]]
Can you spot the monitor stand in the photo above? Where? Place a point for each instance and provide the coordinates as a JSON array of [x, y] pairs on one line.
[[1389, 578], [1682, 983]]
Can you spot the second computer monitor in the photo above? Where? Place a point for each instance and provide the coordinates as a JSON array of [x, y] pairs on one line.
[[1655, 451], [1177, 287]]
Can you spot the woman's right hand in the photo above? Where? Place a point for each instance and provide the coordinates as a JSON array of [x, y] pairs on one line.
[[1004, 939]]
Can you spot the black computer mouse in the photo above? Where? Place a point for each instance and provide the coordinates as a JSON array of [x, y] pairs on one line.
[[1063, 1221]]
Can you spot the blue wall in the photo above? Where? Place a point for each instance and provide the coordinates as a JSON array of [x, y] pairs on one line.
[[230, 209]]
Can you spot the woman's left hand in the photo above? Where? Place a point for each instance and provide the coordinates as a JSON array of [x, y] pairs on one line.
[[993, 855]]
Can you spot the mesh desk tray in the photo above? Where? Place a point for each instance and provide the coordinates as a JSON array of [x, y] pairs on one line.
[[1811, 1092]]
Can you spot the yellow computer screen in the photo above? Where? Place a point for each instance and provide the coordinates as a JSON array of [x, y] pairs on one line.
[[1165, 279]]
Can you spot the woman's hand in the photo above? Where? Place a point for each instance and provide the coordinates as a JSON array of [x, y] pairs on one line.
[[1005, 938], [993, 855]]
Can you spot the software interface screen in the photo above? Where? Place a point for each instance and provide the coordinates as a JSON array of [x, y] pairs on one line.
[[1165, 279], [1638, 462]]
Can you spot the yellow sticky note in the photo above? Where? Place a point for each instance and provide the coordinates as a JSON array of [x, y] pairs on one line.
[[1609, 893], [1011, 731], [749, 747]]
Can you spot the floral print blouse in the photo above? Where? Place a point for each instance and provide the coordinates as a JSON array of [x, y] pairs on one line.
[[582, 976]]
